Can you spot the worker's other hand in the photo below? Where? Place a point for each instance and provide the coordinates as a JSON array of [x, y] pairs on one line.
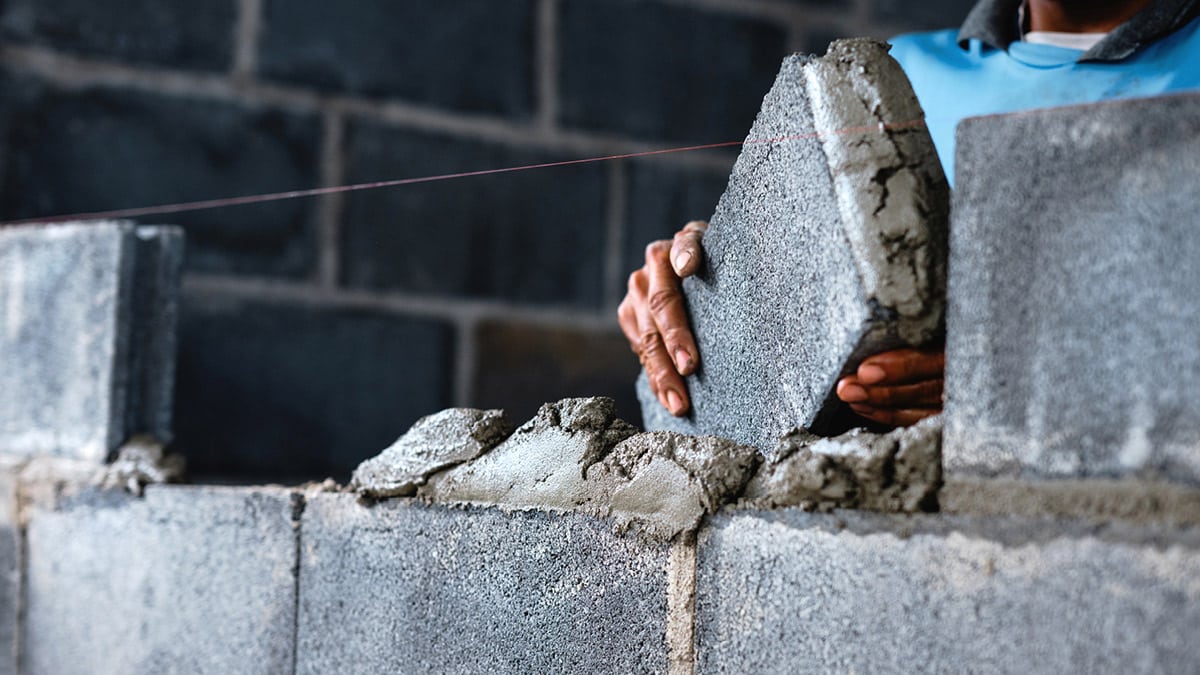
[[898, 388], [654, 320]]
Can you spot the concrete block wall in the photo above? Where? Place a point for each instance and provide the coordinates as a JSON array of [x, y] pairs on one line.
[[253, 580], [392, 304]]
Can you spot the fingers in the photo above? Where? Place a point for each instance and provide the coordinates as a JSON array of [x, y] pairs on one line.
[[902, 366], [896, 417], [665, 382], [666, 307], [927, 394], [686, 248]]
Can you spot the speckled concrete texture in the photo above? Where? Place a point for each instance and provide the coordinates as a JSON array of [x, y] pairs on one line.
[[1072, 347], [184, 580], [403, 587], [796, 592], [87, 336], [827, 246], [10, 565]]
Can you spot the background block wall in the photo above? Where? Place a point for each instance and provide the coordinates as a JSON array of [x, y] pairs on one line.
[[119, 104]]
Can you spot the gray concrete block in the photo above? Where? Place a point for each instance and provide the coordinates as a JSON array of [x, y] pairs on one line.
[[10, 564], [184, 580], [87, 336], [827, 246], [795, 592], [402, 587], [1072, 347]]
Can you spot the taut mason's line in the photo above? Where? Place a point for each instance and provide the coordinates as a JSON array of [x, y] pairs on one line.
[[315, 192]]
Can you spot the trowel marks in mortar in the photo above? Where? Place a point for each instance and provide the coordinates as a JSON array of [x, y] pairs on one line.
[[828, 245]]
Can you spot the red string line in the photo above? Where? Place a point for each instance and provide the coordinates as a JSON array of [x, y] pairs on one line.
[[315, 192]]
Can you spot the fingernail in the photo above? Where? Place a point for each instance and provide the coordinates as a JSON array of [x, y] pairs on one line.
[[870, 374], [683, 360], [862, 409], [674, 403], [852, 393], [682, 259]]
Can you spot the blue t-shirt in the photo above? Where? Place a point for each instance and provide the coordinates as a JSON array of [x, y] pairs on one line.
[[952, 83]]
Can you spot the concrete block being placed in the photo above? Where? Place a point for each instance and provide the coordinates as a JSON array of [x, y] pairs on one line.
[[794, 592], [827, 246], [1072, 349], [87, 336], [402, 587], [195, 580]]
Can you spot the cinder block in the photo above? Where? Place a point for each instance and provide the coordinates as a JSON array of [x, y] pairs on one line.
[[72, 150], [10, 565], [281, 391], [827, 246], [528, 237], [184, 580], [647, 69], [181, 35], [1072, 349], [402, 587], [479, 58], [794, 592], [88, 336]]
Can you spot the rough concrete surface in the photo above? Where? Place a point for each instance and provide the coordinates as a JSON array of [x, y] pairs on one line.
[[10, 563], [897, 471], [1095, 499], [435, 443], [183, 580], [87, 336], [796, 592], [1072, 349], [664, 482], [404, 587], [542, 464], [827, 246]]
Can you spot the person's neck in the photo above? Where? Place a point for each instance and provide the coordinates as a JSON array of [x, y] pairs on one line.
[[1082, 16]]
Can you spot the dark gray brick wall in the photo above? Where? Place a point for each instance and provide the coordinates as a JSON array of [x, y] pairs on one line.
[[192, 35], [618, 74], [270, 390], [473, 55], [531, 236], [108, 104], [110, 148]]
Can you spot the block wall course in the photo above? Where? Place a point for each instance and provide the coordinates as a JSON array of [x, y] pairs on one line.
[[109, 148], [794, 592], [185, 580], [471, 55], [275, 390], [618, 74], [189, 35], [534, 237], [405, 587], [520, 366], [1074, 272]]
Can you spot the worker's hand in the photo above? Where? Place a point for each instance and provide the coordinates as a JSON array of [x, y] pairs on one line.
[[654, 320], [899, 388]]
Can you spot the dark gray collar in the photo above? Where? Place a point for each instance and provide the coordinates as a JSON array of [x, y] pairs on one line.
[[994, 22]]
